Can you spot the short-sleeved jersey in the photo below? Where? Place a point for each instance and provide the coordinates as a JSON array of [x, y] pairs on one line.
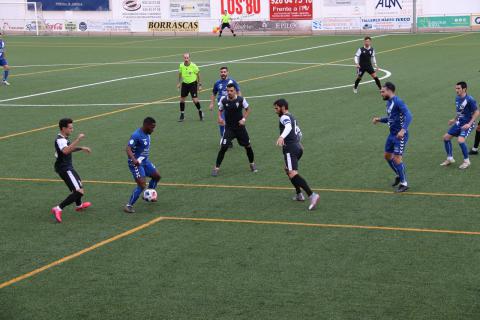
[[2, 49], [365, 56], [233, 110], [399, 116], [226, 18], [295, 134], [189, 73], [140, 144], [465, 108], [220, 87], [63, 161]]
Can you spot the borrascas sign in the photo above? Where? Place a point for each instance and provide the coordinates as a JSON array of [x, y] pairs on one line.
[[241, 7]]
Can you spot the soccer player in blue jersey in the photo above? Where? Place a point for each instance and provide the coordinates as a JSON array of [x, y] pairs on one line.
[[461, 125], [220, 90], [3, 61], [138, 151], [398, 119]]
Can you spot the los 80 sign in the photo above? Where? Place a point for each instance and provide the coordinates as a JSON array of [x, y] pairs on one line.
[[241, 6]]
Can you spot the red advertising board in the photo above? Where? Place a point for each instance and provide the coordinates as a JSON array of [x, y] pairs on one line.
[[291, 9]]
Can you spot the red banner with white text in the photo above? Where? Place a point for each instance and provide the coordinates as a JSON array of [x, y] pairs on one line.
[[291, 9]]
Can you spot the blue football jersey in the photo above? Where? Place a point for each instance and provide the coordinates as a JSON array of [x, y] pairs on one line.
[[465, 107], [399, 116], [2, 49], [140, 144], [220, 87]]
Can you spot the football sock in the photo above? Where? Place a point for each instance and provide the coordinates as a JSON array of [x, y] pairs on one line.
[[5, 75], [222, 130], [448, 148], [78, 201], [391, 163], [182, 107], [153, 183], [298, 190], [477, 139], [250, 154], [377, 81], [197, 104], [135, 194], [72, 197], [401, 173], [298, 181], [221, 155], [464, 148], [357, 82]]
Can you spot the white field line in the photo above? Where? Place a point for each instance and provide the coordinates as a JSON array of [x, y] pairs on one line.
[[176, 70], [387, 75]]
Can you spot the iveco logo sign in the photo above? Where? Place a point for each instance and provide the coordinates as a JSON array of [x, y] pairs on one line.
[[131, 5]]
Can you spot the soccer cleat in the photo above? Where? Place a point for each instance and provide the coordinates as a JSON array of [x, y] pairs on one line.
[[253, 167], [299, 197], [215, 172], [83, 206], [396, 182], [314, 198], [447, 162], [465, 164], [57, 213], [182, 117], [355, 90], [128, 209], [234, 35], [200, 114], [401, 188], [5, 83], [473, 152]]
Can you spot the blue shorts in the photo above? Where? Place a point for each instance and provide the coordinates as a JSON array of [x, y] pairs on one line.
[[394, 145], [145, 169], [457, 131], [3, 62]]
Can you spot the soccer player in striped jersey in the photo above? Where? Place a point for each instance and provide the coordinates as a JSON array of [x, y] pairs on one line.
[[364, 58], [398, 119], [289, 140], [3, 61], [64, 168], [461, 125]]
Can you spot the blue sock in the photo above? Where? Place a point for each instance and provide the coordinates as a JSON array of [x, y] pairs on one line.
[[222, 130], [5, 75], [135, 194], [448, 147], [391, 163], [401, 173], [152, 184], [464, 148]]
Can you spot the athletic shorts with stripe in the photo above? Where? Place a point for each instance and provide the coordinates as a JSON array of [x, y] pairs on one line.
[[292, 155], [71, 178]]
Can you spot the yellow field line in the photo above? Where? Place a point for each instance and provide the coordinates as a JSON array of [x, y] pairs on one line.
[[253, 187], [238, 221], [241, 81], [157, 57]]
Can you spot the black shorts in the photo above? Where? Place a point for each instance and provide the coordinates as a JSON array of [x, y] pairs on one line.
[[368, 69], [239, 133], [292, 155], [71, 178], [189, 88], [226, 25]]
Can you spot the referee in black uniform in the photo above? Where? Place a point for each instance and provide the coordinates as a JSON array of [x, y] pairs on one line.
[[64, 168], [364, 57]]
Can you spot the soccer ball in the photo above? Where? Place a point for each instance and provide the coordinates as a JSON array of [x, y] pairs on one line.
[[150, 195]]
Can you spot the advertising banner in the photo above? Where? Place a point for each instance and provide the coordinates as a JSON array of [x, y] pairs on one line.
[[291, 9], [386, 23], [475, 21], [337, 24], [444, 22], [241, 9], [105, 26], [285, 26], [137, 9], [75, 5], [173, 26], [189, 8], [364, 8]]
